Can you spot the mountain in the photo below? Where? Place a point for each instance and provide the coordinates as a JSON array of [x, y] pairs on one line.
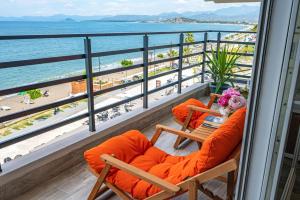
[[230, 14], [129, 18], [52, 18]]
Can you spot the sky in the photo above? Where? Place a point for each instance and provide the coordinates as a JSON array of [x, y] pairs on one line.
[[17, 8]]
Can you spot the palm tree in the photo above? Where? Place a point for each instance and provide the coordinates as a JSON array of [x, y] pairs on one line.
[[160, 56], [126, 63], [172, 53], [189, 38]]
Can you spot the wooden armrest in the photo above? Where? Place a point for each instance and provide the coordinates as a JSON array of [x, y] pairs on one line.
[[192, 136], [213, 97], [217, 171], [140, 173], [205, 110]]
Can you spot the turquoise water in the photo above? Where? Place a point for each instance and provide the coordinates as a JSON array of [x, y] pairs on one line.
[[28, 49]]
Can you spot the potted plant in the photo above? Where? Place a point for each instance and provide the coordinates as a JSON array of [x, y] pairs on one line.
[[221, 65]]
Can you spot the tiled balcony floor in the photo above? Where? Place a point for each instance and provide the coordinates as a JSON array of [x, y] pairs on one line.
[[76, 183]]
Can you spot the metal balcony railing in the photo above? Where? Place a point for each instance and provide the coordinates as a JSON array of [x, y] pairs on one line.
[[89, 55]]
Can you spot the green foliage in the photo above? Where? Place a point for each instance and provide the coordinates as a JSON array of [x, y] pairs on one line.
[[172, 53], [159, 70], [126, 63], [22, 124], [34, 94], [222, 65], [247, 49], [160, 55], [254, 28], [189, 37], [6, 132], [187, 51]]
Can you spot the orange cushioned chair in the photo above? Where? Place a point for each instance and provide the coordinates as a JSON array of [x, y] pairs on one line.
[[191, 114], [133, 168]]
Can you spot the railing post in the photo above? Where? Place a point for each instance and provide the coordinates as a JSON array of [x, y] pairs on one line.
[[204, 57], [145, 71], [180, 61], [218, 40], [89, 82]]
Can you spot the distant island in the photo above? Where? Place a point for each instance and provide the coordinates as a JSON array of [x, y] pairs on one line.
[[184, 20]]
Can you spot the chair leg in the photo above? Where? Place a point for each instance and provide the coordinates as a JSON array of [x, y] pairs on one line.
[[230, 185], [179, 139], [95, 191], [193, 190]]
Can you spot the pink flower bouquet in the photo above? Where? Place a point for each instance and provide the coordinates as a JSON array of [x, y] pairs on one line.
[[230, 101]]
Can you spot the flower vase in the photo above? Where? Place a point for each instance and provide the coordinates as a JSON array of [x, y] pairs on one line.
[[225, 114]]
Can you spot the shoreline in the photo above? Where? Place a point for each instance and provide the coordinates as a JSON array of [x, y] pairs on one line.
[[117, 76]]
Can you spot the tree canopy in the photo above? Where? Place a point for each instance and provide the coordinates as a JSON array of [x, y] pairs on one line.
[[34, 94], [126, 63]]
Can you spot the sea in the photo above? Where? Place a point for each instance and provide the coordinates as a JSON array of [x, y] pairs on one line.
[[14, 50]]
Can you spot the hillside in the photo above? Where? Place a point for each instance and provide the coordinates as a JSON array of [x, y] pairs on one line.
[[230, 14]]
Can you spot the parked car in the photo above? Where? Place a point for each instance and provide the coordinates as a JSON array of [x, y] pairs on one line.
[[5, 108]]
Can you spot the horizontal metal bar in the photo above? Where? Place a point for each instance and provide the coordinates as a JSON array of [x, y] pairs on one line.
[[41, 108], [40, 85], [193, 54], [231, 42], [116, 70], [117, 87], [237, 42], [193, 43], [241, 76], [163, 60], [239, 64], [163, 87], [21, 37], [236, 53], [12, 140], [40, 61], [162, 74], [116, 52], [239, 81], [191, 66], [163, 46], [118, 103], [243, 65], [236, 75], [190, 77]]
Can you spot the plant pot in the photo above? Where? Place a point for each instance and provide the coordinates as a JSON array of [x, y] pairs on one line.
[[213, 88]]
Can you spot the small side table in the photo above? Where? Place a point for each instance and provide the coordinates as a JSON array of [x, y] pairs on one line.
[[203, 132]]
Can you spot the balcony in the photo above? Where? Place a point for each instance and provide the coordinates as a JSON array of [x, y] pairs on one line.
[[153, 91]]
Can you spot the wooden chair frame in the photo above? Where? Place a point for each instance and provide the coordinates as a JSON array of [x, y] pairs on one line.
[[192, 109], [169, 190]]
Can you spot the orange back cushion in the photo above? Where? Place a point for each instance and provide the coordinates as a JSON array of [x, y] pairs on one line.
[[222, 142], [124, 147], [215, 149], [181, 111]]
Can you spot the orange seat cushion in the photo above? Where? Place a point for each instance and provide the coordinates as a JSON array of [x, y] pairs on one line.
[[133, 147], [124, 147], [181, 111]]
